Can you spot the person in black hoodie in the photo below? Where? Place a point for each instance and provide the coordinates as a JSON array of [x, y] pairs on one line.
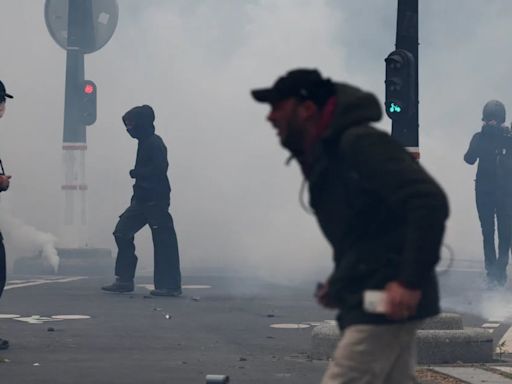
[[149, 205], [383, 215], [493, 190]]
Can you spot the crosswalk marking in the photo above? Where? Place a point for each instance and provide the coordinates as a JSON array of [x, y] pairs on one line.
[[28, 283]]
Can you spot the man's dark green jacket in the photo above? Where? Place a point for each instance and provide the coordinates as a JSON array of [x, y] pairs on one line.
[[381, 211]]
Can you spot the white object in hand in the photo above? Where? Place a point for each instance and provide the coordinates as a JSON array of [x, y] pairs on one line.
[[375, 301]]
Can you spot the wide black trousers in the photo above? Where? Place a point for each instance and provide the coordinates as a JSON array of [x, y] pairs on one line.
[[495, 209], [167, 274]]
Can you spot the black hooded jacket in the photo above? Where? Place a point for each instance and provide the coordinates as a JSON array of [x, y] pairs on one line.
[[382, 213], [492, 147], [150, 171]]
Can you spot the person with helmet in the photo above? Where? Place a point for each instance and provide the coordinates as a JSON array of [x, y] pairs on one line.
[[149, 205], [493, 192], [4, 186]]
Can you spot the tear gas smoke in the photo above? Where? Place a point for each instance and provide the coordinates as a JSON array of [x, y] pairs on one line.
[[24, 240]]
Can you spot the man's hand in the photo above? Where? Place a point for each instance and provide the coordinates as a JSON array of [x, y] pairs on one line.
[[322, 296], [4, 182], [132, 173], [401, 301]]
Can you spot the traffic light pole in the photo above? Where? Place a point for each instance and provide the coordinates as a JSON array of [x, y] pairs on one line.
[[74, 229], [406, 129]]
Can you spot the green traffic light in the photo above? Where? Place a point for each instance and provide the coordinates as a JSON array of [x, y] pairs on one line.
[[395, 108]]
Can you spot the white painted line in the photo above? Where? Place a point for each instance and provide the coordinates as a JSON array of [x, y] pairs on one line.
[[290, 326], [497, 320], [151, 286], [196, 286], [39, 282], [8, 316], [35, 319], [505, 344], [490, 325], [71, 317]]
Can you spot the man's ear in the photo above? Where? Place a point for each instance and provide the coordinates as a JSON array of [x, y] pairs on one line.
[[309, 109]]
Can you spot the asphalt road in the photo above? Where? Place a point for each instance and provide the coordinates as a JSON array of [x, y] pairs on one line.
[[135, 338], [222, 325]]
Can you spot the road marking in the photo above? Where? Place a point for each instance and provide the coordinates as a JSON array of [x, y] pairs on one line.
[[490, 326], [151, 286], [71, 317], [37, 319], [290, 326], [41, 281]]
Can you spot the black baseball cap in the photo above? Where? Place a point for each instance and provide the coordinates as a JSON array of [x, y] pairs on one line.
[[305, 84], [3, 92]]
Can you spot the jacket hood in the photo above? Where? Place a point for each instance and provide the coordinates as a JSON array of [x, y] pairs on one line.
[[353, 107], [142, 118]]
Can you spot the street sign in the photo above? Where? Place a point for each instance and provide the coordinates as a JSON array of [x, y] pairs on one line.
[[92, 34]]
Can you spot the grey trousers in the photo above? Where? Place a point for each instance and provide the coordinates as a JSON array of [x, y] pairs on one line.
[[375, 354]]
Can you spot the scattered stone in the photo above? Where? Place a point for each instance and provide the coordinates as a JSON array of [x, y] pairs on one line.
[[4, 360], [271, 315], [51, 329], [195, 298], [147, 297], [167, 316], [242, 359], [157, 309], [36, 364]]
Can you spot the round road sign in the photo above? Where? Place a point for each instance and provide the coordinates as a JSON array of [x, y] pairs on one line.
[[104, 21]]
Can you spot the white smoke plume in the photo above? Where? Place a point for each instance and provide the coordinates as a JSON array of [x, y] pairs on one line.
[[23, 240]]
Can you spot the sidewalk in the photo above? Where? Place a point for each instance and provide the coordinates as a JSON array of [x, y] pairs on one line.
[[465, 374]]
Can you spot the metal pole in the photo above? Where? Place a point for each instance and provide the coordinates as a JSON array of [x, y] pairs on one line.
[[74, 231], [407, 130]]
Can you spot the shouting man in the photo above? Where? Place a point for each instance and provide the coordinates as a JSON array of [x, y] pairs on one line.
[[382, 213]]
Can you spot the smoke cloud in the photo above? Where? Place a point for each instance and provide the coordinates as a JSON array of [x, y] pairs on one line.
[[234, 203]]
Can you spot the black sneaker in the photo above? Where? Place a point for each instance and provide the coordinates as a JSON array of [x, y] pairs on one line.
[[4, 344], [166, 292], [119, 286]]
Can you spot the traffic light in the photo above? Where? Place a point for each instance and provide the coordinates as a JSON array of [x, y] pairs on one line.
[[87, 102], [400, 84]]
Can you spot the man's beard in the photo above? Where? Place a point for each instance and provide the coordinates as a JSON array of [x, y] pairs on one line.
[[294, 138]]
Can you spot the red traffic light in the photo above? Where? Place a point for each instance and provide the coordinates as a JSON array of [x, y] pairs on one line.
[[88, 88]]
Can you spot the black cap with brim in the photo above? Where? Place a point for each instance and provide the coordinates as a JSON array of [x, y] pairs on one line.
[[3, 93], [266, 95], [300, 83]]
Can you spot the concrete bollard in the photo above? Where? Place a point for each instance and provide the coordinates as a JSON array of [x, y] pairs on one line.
[[471, 345], [440, 340]]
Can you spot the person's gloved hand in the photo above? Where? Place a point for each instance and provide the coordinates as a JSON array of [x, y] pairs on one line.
[[132, 173]]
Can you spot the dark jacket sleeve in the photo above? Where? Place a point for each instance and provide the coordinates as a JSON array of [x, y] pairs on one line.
[[158, 165], [472, 153], [385, 166]]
